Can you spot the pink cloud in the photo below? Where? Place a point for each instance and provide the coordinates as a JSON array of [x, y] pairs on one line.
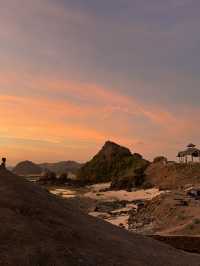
[[94, 115]]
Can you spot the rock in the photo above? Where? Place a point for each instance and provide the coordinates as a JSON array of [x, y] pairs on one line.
[[110, 206], [183, 203], [195, 193], [135, 180]]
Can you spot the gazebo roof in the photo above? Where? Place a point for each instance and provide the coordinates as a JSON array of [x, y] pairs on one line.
[[190, 151]]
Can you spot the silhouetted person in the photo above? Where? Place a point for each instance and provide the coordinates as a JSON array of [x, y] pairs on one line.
[[3, 164]]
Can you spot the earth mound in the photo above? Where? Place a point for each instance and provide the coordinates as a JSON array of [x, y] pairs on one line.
[[38, 228], [167, 175], [111, 163], [27, 168]]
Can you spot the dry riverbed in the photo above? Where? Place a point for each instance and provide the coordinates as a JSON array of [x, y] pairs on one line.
[[112, 206]]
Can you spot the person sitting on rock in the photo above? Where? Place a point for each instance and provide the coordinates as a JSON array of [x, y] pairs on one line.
[[3, 164]]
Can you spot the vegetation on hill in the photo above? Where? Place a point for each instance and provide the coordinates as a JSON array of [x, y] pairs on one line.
[[111, 163]]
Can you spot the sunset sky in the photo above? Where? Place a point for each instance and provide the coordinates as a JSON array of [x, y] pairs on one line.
[[75, 73]]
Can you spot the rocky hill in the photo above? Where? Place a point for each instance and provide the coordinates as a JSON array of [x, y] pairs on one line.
[[62, 167], [38, 228], [111, 163], [27, 168]]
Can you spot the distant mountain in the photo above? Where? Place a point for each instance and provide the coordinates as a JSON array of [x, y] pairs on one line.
[[30, 168], [62, 167], [27, 168], [111, 163]]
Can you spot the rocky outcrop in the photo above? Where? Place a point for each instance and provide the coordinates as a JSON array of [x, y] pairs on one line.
[[27, 168], [113, 162], [131, 176], [38, 228]]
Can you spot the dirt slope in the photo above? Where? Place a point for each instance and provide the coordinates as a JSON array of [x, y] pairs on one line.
[[40, 229], [172, 176]]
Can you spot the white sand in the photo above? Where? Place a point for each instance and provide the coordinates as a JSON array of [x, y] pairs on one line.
[[94, 193], [64, 193], [147, 194]]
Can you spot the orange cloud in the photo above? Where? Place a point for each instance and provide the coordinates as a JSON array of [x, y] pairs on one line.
[[75, 113]]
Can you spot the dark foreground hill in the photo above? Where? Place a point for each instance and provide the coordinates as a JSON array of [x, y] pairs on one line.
[[39, 229]]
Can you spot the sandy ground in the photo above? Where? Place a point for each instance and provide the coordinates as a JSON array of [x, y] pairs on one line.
[[64, 192], [95, 192], [117, 217], [122, 194]]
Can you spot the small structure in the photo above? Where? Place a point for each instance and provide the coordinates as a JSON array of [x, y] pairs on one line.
[[190, 153], [3, 163]]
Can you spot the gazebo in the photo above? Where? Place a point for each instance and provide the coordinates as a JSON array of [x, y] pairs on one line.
[[191, 152]]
